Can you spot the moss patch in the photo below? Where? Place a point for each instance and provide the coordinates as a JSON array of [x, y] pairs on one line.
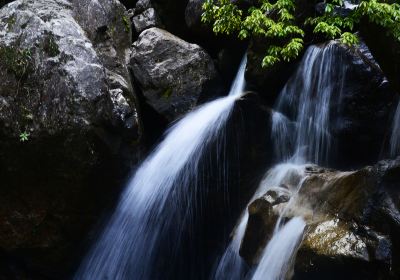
[[126, 23], [17, 61], [51, 47]]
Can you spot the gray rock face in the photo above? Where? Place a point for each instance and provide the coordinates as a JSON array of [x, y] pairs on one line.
[[65, 87], [146, 20], [52, 72], [171, 72]]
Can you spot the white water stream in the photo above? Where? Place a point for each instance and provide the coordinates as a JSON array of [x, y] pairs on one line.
[[302, 137], [151, 206]]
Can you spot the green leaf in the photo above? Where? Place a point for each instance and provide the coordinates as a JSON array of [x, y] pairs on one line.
[[24, 136]]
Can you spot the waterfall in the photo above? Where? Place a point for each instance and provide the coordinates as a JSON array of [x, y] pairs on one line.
[[231, 266], [395, 137], [308, 96], [155, 202], [280, 250], [301, 133]]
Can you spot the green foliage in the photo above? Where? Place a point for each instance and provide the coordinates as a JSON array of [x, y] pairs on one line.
[[24, 136], [276, 20], [126, 22], [227, 16]]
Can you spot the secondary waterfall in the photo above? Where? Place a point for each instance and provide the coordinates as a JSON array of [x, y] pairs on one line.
[[307, 99], [308, 96], [301, 134], [155, 205]]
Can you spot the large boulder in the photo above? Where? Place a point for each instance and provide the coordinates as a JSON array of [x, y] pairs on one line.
[[52, 73], [68, 117], [361, 117], [353, 223], [171, 73]]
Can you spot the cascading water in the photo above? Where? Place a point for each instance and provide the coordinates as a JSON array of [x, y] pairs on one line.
[[308, 97], [395, 137], [308, 94], [282, 136], [231, 265], [155, 203], [301, 134], [277, 257]]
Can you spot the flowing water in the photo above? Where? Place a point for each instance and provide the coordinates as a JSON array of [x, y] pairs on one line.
[[155, 202], [280, 250], [307, 98], [301, 133], [282, 132], [231, 265]]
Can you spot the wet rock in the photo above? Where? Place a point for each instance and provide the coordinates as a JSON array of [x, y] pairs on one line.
[[353, 223], [334, 239], [146, 20], [347, 207], [68, 118], [261, 223], [171, 73], [364, 109], [277, 195]]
